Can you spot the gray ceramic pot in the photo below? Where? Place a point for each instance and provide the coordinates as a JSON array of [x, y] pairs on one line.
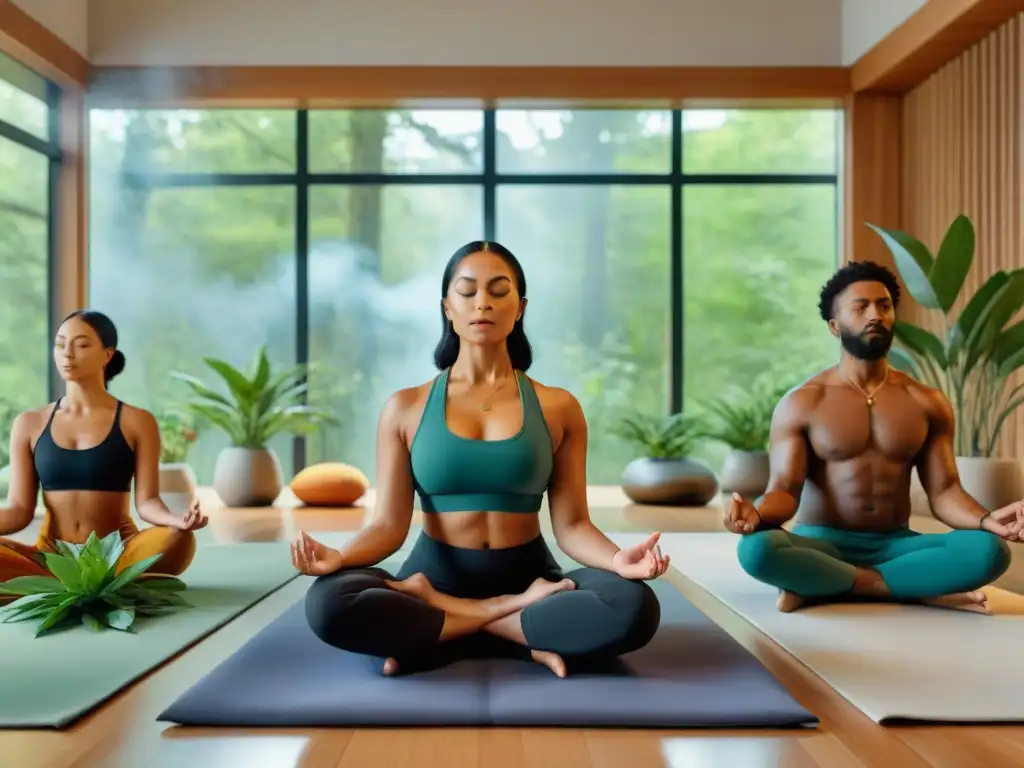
[[673, 482], [745, 473], [247, 477]]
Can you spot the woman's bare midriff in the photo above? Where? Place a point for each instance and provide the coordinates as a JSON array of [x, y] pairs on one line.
[[482, 530], [73, 515]]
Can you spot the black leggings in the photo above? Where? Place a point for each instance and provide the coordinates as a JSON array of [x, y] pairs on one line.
[[606, 615]]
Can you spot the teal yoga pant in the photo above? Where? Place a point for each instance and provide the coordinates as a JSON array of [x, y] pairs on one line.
[[817, 561]]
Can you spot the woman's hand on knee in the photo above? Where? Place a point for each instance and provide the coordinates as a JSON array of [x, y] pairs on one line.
[[312, 558], [641, 561], [194, 519]]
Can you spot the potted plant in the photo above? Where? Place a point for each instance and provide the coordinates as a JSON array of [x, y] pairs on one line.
[[974, 356], [666, 473], [744, 423], [88, 585], [257, 405], [178, 433]]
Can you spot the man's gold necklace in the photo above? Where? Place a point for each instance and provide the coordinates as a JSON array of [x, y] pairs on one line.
[[870, 397]]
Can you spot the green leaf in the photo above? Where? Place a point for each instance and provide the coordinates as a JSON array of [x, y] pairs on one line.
[[30, 585], [91, 622], [953, 262], [1010, 365], [201, 390], [66, 571], [239, 386], [161, 584], [922, 342], [71, 551], [262, 369], [967, 323], [130, 573], [111, 548], [901, 361], [914, 263], [1007, 302], [95, 572], [121, 619], [40, 601], [55, 616], [226, 420], [1008, 343]]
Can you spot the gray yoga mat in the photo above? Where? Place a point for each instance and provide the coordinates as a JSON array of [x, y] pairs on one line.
[[692, 674]]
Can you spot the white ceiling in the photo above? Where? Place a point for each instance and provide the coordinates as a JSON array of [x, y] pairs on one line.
[[472, 32]]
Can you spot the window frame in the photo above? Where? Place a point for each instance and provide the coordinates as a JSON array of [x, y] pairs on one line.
[[50, 148], [490, 179]]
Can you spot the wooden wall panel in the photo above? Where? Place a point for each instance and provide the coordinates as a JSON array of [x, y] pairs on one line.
[[963, 139], [872, 187]]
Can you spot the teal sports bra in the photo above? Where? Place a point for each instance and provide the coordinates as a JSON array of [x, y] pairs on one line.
[[459, 474]]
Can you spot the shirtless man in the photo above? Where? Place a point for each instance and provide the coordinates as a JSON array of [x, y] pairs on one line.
[[843, 448]]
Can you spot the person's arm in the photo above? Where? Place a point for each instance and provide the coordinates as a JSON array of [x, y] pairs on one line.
[[392, 517], [23, 489], [150, 506], [575, 533], [936, 467], [787, 456]]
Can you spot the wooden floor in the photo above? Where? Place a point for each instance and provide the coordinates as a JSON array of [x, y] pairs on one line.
[[124, 734]]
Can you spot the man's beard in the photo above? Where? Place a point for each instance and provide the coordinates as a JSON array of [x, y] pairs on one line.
[[867, 346]]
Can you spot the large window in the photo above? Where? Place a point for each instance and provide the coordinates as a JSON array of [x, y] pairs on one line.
[[29, 159], [670, 255]]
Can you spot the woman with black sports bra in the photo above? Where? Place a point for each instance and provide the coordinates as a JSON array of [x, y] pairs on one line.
[[481, 444], [84, 451]]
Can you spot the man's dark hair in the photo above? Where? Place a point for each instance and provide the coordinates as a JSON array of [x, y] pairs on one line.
[[856, 272]]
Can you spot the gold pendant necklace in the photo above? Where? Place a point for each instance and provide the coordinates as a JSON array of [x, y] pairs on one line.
[[870, 397], [486, 406]]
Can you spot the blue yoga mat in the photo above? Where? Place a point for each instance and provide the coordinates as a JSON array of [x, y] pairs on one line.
[[692, 674]]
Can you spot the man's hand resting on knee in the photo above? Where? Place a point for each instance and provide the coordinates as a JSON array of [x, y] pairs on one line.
[[741, 516], [1006, 522]]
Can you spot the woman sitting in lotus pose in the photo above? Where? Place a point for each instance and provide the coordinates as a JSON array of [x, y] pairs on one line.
[[84, 451], [480, 444]]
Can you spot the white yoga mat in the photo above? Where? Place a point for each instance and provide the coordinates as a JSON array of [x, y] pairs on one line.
[[892, 662]]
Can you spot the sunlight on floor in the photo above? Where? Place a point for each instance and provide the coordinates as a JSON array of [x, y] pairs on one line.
[[720, 752], [220, 752]]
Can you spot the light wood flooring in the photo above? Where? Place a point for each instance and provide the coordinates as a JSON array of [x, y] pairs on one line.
[[124, 734]]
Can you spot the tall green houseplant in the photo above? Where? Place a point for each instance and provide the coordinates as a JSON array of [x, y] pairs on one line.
[[255, 406], [973, 357], [258, 404]]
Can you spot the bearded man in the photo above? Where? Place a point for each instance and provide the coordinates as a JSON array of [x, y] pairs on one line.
[[843, 448]]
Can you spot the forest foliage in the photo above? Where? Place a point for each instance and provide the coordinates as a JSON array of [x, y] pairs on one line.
[[190, 270]]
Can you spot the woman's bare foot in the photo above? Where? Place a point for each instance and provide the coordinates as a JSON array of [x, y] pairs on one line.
[[976, 602], [416, 585], [542, 588], [788, 601], [552, 661]]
